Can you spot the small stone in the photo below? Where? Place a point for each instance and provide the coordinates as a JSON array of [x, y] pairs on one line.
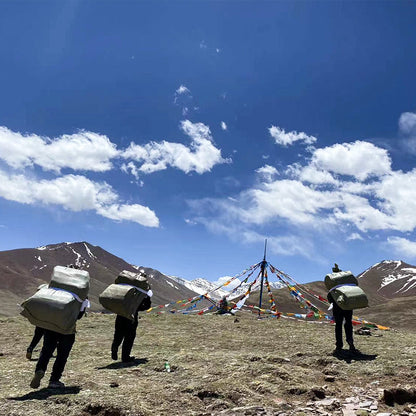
[[114, 384], [351, 400], [328, 402], [384, 414], [366, 404], [330, 379]]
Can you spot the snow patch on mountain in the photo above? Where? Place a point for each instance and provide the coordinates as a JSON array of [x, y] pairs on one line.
[[89, 252], [410, 284]]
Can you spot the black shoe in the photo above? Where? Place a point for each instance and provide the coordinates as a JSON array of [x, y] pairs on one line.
[[354, 350], [128, 359], [56, 385], [338, 352], [35, 383], [29, 354], [114, 355]]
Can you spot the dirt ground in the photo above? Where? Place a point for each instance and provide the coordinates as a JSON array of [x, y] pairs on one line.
[[220, 365]]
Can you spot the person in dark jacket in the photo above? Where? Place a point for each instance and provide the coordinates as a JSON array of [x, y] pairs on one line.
[[341, 316], [125, 333], [63, 344]]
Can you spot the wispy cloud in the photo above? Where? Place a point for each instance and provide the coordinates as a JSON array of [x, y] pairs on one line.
[[407, 130], [285, 139], [267, 172], [223, 125], [201, 156], [354, 236], [402, 246], [182, 90], [349, 189], [407, 123]]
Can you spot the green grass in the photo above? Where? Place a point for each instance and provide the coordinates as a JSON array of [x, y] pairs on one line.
[[218, 365]]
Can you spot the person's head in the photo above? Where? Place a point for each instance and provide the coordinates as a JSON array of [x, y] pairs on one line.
[[336, 269]]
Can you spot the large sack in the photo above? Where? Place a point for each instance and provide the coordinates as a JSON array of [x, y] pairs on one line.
[[135, 279], [122, 299], [350, 297], [74, 280], [52, 309], [340, 278]]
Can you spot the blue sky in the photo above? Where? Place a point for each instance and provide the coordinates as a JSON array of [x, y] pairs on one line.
[[179, 135]]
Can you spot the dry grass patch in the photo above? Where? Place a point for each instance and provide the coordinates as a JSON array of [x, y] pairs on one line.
[[219, 365]]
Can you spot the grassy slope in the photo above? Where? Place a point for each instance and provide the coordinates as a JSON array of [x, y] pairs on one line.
[[218, 364]]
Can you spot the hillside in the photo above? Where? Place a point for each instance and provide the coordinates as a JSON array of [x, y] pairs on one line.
[[220, 366], [23, 270], [390, 279]]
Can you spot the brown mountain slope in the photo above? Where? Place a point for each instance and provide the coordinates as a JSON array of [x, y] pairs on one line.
[[389, 279], [23, 270]]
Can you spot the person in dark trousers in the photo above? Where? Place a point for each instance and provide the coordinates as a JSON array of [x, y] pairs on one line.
[[39, 332], [223, 306], [341, 316], [63, 344], [125, 332], [36, 336]]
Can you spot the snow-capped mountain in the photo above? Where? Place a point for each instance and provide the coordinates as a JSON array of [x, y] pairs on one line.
[[390, 278], [203, 286]]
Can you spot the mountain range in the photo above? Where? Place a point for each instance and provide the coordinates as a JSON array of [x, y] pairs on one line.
[[390, 284]]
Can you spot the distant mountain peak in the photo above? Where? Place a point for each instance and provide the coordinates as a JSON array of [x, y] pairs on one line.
[[390, 278]]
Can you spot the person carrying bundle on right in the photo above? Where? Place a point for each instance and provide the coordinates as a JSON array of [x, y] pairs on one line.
[[343, 294]]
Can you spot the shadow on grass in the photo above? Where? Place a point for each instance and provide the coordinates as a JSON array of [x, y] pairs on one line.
[[44, 393], [120, 364], [348, 357]]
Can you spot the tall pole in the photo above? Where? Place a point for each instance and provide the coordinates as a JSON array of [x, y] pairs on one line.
[[263, 268]]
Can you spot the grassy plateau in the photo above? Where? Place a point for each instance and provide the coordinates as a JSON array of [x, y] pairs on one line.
[[220, 365]]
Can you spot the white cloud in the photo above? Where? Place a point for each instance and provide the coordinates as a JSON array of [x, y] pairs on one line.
[[407, 123], [74, 193], [354, 236], [201, 156], [402, 246], [135, 212], [223, 125], [311, 174], [358, 159], [80, 151], [407, 128], [225, 279], [130, 168], [182, 90], [349, 189], [281, 137], [397, 193], [267, 172]]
